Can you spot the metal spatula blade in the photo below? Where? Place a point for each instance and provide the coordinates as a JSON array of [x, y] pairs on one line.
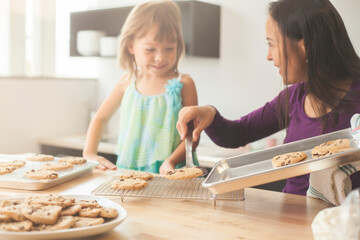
[[188, 148]]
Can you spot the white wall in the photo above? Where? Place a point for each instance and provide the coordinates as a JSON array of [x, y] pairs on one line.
[[241, 80], [36, 108]]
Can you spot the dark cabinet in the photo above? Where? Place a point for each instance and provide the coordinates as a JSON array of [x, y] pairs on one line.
[[200, 23]]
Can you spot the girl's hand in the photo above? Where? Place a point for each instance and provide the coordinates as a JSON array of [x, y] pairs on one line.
[[104, 164], [203, 116], [166, 166]]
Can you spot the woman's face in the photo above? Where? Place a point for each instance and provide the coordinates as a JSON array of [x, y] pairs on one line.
[[296, 62]]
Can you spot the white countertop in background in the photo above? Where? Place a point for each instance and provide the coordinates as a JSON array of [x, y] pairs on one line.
[[208, 153]]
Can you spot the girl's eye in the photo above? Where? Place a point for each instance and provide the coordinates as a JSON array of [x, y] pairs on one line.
[[170, 49], [149, 49]]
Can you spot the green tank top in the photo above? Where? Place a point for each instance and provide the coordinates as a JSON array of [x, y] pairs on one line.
[[148, 132]]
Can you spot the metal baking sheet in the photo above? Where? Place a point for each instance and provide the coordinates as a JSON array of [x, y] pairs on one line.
[[17, 180], [255, 168]]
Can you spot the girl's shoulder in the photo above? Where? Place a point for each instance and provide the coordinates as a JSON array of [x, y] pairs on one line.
[[124, 82], [186, 80]]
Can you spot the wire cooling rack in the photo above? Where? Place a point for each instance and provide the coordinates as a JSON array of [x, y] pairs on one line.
[[160, 187]]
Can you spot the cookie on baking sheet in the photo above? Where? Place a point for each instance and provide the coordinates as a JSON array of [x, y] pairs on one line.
[[63, 222], [333, 152], [50, 199], [41, 214], [70, 211], [22, 226], [288, 158], [56, 166], [86, 222], [13, 163], [331, 147], [41, 174], [5, 170], [73, 160], [40, 157], [142, 175], [184, 173], [129, 183]]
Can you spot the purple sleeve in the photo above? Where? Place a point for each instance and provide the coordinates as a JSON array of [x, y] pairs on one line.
[[254, 126]]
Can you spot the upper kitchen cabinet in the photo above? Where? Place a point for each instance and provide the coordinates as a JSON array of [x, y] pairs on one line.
[[200, 23]]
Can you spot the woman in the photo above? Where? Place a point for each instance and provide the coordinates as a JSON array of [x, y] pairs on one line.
[[309, 44]]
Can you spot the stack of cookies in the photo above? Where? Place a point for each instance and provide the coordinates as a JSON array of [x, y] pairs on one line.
[[133, 180], [49, 212]]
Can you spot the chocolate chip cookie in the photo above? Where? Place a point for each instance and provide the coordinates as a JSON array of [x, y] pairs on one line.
[[331, 147], [130, 183], [40, 157], [288, 158], [183, 173]]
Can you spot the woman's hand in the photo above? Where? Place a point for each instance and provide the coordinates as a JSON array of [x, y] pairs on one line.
[[166, 166], [203, 116], [104, 164]]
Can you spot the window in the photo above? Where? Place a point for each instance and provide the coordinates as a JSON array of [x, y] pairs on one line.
[[36, 41], [74, 66]]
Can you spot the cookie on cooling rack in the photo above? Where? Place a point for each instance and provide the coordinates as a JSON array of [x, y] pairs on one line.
[[288, 158], [129, 183], [183, 173], [142, 175], [40, 157], [331, 147]]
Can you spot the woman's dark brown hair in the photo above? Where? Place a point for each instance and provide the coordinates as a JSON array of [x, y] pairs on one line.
[[330, 56]]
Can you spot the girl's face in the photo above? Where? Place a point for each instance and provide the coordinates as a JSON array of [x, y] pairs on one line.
[[154, 57], [296, 62]]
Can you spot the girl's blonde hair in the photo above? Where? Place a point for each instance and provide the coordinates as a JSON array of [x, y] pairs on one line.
[[165, 14]]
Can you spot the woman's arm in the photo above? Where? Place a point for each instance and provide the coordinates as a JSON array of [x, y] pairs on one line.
[[98, 124]]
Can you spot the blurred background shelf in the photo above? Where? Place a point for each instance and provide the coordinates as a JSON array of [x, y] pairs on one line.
[[200, 24]]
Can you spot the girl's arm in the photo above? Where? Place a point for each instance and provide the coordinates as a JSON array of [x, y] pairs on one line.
[[98, 124], [189, 98]]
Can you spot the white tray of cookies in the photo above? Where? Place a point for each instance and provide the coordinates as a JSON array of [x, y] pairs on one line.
[[262, 167], [38, 172], [67, 217]]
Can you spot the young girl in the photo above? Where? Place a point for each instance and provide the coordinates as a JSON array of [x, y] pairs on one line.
[[309, 45], [150, 95]]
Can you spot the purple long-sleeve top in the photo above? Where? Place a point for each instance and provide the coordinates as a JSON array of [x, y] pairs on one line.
[[264, 122]]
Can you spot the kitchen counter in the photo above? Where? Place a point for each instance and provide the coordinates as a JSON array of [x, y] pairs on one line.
[[262, 215], [208, 153]]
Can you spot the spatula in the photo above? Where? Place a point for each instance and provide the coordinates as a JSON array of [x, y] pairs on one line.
[[188, 148]]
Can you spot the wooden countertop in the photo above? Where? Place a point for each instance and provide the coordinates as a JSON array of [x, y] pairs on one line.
[[262, 215]]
